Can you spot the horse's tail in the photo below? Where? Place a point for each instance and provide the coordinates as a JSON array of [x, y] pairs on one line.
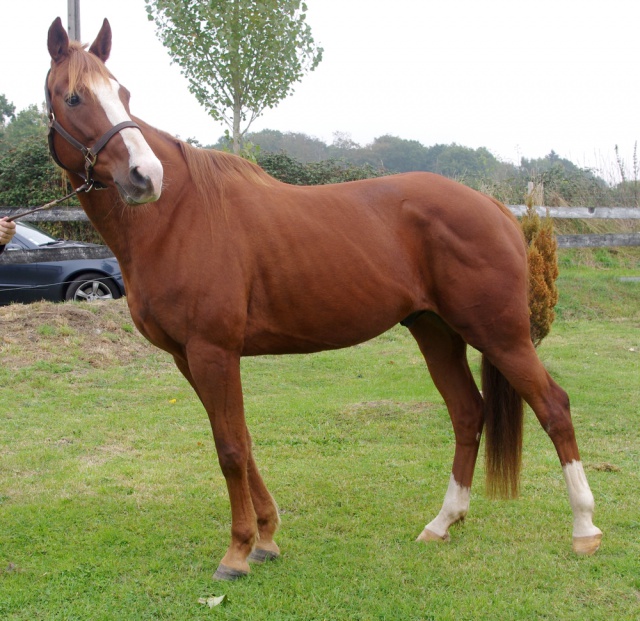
[[503, 416]]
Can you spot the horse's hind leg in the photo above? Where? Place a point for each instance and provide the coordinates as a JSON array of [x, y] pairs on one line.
[[519, 363], [445, 354]]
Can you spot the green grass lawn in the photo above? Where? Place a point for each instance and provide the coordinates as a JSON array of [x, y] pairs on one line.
[[112, 505]]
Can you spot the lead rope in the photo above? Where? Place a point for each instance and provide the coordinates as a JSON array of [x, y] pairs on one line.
[[85, 187]]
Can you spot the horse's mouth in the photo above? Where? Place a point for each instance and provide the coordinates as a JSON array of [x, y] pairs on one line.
[[136, 197]]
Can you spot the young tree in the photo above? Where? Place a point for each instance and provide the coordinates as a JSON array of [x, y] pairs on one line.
[[240, 56], [7, 113]]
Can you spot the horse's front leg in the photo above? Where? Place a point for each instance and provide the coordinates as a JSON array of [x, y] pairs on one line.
[[267, 513], [215, 374], [263, 503]]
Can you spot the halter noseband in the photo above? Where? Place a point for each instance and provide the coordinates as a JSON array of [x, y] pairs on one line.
[[90, 153]]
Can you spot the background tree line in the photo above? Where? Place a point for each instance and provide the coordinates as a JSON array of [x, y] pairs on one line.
[[565, 183], [28, 176]]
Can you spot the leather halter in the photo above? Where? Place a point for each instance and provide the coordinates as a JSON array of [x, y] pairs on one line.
[[90, 153]]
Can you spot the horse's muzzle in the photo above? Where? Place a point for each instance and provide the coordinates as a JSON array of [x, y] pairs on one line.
[[142, 185]]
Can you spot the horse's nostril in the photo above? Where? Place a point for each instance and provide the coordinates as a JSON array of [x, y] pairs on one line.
[[143, 182]]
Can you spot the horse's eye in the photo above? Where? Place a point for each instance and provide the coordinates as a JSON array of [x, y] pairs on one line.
[[73, 100]]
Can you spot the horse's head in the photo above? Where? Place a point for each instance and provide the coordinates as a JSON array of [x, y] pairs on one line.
[[89, 114]]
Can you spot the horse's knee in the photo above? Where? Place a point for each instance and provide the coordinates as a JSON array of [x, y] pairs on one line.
[[232, 458]]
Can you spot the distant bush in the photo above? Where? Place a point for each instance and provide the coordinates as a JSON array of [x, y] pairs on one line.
[[28, 176]]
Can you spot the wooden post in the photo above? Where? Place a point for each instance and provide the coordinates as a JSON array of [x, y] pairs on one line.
[[74, 19], [536, 191]]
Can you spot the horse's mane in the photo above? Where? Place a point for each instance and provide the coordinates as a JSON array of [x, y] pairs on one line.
[[210, 167], [213, 171], [85, 69]]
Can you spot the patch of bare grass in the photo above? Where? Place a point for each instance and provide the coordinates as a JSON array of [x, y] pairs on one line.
[[100, 334]]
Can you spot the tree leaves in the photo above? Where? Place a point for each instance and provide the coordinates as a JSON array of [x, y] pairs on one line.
[[240, 56]]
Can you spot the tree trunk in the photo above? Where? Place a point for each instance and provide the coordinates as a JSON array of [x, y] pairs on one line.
[[237, 138]]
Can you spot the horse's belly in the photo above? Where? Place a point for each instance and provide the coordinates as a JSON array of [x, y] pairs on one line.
[[307, 323], [279, 340]]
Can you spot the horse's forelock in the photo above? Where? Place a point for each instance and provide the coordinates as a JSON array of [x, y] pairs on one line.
[[85, 69]]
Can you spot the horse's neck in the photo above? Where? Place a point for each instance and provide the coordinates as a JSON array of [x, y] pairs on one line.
[[127, 227], [111, 218]]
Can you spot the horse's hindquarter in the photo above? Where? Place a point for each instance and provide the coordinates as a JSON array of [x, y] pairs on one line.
[[337, 265], [475, 259]]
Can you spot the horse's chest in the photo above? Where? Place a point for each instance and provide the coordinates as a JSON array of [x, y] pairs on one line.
[[157, 325]]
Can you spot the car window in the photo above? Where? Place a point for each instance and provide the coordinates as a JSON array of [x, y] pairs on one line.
[[17, 244], [34, 236]]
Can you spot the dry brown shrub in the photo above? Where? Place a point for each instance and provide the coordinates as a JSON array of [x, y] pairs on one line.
[[543, 271]]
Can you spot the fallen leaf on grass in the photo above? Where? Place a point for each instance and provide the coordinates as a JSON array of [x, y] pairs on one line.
[[212, 601]]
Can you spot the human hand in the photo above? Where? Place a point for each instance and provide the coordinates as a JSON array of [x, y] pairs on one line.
[[7, 231]]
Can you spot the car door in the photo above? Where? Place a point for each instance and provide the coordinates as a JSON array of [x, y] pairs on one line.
[[18, 281]]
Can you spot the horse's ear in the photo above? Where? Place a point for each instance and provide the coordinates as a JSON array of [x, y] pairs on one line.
[[58, 41], [101, 47]]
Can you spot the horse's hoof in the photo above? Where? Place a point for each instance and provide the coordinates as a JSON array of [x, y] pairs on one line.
[[586, 546], [428, 535], [228, 573], [260, 555]]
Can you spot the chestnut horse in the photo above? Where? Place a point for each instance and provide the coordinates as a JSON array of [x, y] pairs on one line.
[[228, 262]]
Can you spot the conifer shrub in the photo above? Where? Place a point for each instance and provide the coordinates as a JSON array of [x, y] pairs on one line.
[[542, 257]]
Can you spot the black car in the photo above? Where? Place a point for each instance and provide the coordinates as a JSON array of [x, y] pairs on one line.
[[56, 280]]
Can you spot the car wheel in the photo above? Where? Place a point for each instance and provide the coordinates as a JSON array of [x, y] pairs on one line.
[[90, 287]]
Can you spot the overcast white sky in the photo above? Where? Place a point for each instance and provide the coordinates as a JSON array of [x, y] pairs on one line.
[[518, 77]]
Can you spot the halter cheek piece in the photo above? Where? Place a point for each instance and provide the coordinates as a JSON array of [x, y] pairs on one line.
[[90, 153]]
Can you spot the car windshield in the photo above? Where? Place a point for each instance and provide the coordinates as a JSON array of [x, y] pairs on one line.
[[35, 236]]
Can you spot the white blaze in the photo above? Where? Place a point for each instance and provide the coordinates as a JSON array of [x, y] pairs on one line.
[[140, 154]]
